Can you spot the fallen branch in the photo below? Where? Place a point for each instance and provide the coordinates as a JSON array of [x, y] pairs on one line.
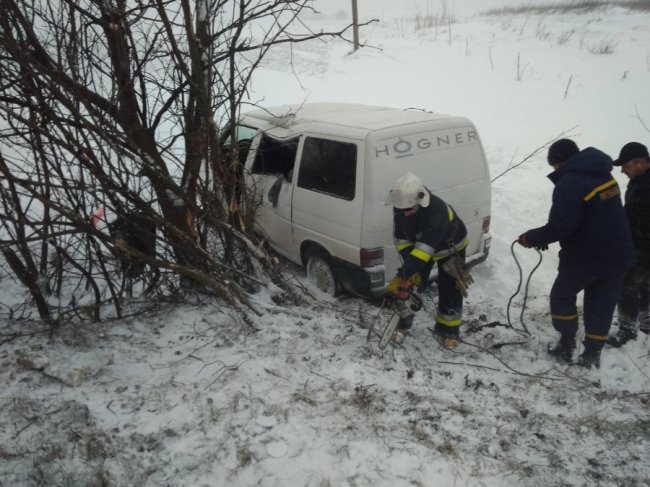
[[13, 336]]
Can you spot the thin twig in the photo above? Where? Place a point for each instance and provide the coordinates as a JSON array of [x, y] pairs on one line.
[[108, 406], [533, 376], [33, 420], [535, 152], [223, 370], [566, 91], [638, 117]]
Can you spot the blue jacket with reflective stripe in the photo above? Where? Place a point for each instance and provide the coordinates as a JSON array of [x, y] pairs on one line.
[[587, 216], [430, 226]]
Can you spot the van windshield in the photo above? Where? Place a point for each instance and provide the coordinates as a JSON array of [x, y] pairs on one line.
[[244, 136], [242, 133]]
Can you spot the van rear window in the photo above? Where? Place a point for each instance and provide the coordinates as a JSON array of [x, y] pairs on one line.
[[329, 166]]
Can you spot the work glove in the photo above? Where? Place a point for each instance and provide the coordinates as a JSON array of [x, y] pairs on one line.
[[523, 241], [402, 288], [542, 247], [455, 266], [394, 285]]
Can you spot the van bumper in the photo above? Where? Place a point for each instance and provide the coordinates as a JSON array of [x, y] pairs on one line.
[[368, 282], [362, 285], [478, 257], [372, 282]]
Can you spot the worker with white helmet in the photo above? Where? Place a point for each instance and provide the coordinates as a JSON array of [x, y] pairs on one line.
[[428, 231]]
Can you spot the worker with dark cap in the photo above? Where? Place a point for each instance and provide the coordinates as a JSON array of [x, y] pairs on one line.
[[634, 300], [588, 220]]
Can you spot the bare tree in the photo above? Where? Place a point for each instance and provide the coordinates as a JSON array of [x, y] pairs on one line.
[[118, 104]]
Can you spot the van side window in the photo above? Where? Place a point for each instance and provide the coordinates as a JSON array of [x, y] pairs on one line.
[[275, 156], [329, 166]]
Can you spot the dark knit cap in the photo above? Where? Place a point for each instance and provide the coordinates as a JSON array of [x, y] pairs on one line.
[[633, 150], [561, 150]]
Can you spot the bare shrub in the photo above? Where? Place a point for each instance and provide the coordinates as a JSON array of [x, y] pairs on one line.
[[424, 22], [428, 20], [127, 107], [542, 33], [565, 37], [602, 48]]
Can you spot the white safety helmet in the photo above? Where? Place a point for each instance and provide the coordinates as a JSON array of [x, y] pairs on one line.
[[408, 192]]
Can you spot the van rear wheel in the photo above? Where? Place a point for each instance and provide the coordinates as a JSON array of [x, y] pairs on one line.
[[320, 273]]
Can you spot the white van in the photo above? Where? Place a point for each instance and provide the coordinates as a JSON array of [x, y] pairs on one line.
[[324, 171]]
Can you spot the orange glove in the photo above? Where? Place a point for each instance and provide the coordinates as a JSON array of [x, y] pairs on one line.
[[399, 287], [394, 285]]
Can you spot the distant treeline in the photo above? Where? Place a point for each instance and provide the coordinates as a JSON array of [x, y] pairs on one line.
[[579, 5]]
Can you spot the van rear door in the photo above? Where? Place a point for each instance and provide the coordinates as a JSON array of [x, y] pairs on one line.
[[448, 156]]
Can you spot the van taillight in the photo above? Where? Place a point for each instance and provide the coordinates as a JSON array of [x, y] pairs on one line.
[[371, 257], [486, 224]]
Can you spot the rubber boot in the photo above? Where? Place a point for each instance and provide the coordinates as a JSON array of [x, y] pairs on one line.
[[589, 358], [446, 336], [626, 332], [563, 350]]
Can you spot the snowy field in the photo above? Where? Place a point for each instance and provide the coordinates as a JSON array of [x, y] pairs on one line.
[[190, 396]]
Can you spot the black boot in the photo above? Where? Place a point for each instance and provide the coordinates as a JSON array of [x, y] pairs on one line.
[[589, 359], [563, 350], [446, 336], [623, 336]]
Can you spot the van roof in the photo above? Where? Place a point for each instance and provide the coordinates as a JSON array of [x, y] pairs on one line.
[[364, 118]]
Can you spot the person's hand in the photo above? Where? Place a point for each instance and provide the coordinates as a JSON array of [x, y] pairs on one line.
[[523, 241], [542, 247], [394, 285], [401, 288], [405, 289]]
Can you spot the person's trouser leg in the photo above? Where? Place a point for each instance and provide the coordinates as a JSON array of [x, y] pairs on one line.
[[564, 292], [599, 305], [450, 303], [644, 302], [629, 301]]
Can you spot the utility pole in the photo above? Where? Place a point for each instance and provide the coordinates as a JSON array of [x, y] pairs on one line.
[[355, 24]]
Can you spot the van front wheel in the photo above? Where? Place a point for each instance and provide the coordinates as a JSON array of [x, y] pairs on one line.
[[320, 273]]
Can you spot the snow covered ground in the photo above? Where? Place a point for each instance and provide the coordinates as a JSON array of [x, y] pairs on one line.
[[186, 395]]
